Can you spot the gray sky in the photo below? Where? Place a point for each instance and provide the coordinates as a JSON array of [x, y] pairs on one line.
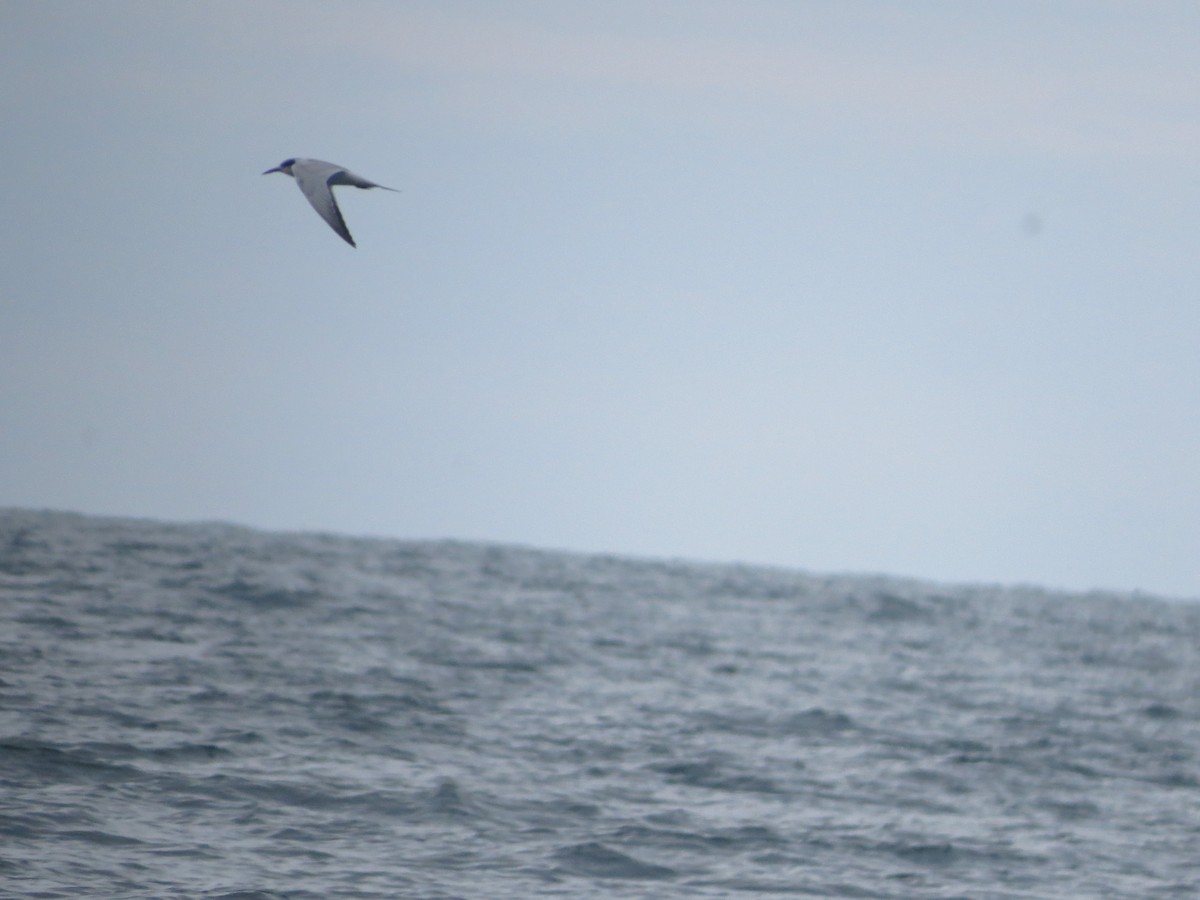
[[897, 287]]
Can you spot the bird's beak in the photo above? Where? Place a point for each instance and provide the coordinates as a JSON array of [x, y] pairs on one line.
[[269, 171]]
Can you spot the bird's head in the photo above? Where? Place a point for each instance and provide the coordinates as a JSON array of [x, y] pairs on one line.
[[285, 167]]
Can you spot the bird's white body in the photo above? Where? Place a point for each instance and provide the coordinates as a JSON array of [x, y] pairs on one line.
[[317, 179]]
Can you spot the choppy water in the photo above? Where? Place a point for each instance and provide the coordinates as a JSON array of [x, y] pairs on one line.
[[208, 711]]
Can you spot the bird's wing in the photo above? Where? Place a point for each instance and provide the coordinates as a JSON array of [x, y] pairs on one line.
[[315, 179], [345, 176]]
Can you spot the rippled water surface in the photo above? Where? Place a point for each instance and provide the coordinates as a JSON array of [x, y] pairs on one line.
[[213, 712]]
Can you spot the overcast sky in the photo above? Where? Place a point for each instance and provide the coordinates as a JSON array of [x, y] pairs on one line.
[[893, 287]]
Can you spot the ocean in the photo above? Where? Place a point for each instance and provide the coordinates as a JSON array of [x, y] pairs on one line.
[[209, 711]]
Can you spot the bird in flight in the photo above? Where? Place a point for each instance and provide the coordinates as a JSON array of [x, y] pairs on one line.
[[317, 179]]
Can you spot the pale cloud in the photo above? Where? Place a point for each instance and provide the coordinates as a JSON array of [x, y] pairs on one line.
[[1012, 93], [876, 73], [1007, 82]]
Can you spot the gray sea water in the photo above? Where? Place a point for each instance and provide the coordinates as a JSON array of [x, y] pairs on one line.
[[209, 711]]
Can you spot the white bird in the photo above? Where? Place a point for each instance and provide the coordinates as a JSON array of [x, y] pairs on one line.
[[317, 179]]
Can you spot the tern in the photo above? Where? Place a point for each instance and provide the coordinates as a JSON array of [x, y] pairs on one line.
[[317, 179]]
